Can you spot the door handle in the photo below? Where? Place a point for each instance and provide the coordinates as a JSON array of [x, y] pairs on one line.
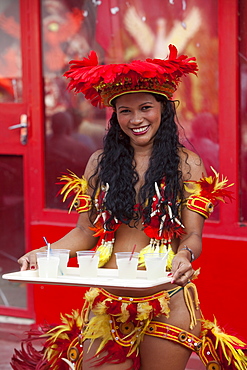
[[19, 125], [23, 128]]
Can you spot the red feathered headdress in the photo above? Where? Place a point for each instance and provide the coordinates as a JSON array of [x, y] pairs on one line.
[[102, 83]]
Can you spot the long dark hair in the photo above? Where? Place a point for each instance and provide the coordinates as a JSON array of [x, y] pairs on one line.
[[116, 167]]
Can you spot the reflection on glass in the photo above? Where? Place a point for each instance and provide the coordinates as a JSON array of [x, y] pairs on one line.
[[133, 30], [10, 52], [243, 109], [12, 237], [73, 128]]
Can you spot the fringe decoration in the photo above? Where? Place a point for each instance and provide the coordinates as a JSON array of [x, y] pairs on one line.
[[191, 303], [232, 352]]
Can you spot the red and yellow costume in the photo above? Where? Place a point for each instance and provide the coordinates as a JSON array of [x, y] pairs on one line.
[[121, 322]]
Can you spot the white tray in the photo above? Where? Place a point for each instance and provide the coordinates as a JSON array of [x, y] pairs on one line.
[[106, 278]]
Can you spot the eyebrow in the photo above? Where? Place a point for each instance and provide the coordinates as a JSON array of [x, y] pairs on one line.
[[124, 106]]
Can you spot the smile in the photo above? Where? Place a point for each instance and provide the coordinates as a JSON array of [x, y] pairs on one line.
[[140, 130]]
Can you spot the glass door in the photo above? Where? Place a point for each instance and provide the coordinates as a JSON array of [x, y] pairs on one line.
[[14, 124]]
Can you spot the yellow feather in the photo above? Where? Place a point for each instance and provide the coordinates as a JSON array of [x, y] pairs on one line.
[[195, 188], [147, 249], [91, 294], [98, 327], [164, 301], [143, 310], [105, 253], [52, 350], [124, 313], [227, 344], [100, 307], [74, 184]]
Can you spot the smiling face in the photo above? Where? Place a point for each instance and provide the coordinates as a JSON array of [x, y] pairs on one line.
[[139, 116]]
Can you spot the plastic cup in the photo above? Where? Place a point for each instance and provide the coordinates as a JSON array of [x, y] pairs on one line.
[[63, 260], [47, 264], [127, 264], [88, 263], [155, 265]]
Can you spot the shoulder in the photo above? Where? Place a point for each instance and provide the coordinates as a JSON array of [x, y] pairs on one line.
[[92, 164], [192, 165]]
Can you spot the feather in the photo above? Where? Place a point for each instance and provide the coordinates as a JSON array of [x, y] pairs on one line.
[[211, 187], [28, 357], [101, 83], [231, 351], [105, 253], [73, 185], [144, 309], [99, 328]]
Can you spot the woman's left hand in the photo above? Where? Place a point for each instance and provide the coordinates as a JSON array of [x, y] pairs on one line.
[[182, 270]]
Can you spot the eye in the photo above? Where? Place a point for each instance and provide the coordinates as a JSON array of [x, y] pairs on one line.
[[124, 111], [146, 107]]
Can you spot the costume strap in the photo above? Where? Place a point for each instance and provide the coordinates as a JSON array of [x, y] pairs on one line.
[[192, 302], [201, 205], [170, 332], [128, 300]]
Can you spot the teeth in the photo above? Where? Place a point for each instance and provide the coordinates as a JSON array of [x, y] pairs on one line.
[[141, 129]]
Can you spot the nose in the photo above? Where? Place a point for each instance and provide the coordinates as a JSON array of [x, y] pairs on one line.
[[136, 119]]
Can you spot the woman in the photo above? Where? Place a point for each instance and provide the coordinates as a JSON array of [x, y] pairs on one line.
[[144, 189]]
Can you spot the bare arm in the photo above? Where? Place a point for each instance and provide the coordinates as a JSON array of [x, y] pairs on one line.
[[79, 238], [191, 242]]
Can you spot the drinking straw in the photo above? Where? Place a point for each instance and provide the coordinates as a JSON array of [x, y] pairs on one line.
[[48, 247], [133, 250], [165, 255]]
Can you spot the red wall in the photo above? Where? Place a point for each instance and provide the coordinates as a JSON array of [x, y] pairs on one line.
[[222, 282]]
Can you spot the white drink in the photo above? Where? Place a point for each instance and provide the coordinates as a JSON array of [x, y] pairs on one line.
[[127, 265], [127, 269], [63, 260], [48, 266], [88, 264], [155, 265]]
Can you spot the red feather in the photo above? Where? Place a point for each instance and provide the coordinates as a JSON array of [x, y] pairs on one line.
[[91, 79], [116, 354]]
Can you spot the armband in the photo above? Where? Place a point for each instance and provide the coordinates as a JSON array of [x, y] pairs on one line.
[[206, 193], [83, 203], [200, 205], [77, 187]]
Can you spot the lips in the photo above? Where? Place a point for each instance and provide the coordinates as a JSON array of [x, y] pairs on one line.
[[140, 130]]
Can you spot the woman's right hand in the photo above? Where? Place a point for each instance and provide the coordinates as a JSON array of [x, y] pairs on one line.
[[29, 260]]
